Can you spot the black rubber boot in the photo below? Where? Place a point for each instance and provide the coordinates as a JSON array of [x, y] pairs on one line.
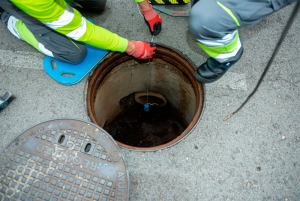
[[193, 2], [4, 16], [6, 99], [1, 11], [212, 70]]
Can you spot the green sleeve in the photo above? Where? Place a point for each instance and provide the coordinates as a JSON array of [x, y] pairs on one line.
[[50, 12], [103, 38]]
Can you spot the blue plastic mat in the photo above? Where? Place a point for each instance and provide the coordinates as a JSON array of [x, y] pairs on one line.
[[69, 74]]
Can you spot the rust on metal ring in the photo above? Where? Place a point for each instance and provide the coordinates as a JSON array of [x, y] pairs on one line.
[[167, 54]]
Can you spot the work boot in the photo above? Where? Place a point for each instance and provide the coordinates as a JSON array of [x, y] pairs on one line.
[[6, 99], [1, 11], [193, 2], [4, 16], [212, 70]]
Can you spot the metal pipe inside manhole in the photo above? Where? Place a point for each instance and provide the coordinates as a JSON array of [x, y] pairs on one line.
[[120, 86]]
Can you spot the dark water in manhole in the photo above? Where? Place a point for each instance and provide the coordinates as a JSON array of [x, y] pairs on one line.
[[135, 127]]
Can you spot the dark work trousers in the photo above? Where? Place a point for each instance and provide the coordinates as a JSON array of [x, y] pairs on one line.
[[214, 23], [49, 41]]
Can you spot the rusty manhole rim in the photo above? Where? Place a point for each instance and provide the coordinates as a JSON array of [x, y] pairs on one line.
[[162, 52]]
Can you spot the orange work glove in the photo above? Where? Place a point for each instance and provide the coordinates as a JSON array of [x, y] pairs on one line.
[[153, 20], [142, 50]]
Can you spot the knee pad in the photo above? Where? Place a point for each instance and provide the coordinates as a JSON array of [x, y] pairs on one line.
[[91, 5]]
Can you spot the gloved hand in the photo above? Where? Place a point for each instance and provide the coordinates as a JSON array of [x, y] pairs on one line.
[[153, 20], [142, 50]]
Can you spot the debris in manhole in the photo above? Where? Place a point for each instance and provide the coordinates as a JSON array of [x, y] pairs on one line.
[[172, 75], [135, 127]]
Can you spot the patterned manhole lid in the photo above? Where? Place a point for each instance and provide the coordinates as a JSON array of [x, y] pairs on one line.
[[63, 159]]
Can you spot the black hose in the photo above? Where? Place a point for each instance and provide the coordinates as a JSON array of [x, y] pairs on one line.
[[284, 33]]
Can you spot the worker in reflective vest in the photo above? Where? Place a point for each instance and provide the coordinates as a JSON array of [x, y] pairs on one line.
[[57, 29], [215, 24]]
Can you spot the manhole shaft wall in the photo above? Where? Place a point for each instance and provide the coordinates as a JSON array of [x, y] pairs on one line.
[[169, 55]]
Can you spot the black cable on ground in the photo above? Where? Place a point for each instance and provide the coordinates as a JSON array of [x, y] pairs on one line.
[[284, 33]]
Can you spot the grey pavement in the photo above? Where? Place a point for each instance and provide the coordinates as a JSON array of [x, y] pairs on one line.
[[255, 155]]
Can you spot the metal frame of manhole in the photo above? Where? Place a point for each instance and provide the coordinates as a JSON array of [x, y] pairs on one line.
[[63, 159], [110, 70]]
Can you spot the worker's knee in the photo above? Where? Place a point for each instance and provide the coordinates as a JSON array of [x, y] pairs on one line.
[[202, 22], [91, 5], [74, 57], [79, 56]]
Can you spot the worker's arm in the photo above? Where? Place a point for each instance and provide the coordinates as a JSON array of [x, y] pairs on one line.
[[58, 15]]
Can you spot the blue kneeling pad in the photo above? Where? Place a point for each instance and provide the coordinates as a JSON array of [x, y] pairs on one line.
[[69, 74]]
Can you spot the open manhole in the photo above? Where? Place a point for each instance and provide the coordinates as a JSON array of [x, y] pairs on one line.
[[63, 159], [145, 105]]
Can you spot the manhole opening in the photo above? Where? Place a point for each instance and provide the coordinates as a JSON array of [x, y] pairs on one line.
[[119, 85], [136, 127]]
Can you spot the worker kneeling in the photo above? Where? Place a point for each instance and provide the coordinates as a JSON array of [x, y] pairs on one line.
[[57, 29], [215, 24]]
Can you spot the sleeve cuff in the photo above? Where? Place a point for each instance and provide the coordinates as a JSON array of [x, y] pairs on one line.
[[123, 43]]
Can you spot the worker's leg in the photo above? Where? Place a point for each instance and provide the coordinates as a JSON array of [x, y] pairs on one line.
[[41, 37], [89, 5], [214, 24]]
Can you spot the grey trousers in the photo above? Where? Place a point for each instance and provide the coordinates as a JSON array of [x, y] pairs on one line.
[[62, 47], [212, 24]]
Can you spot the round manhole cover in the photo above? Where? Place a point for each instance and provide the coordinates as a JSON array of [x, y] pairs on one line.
[[63, 159]]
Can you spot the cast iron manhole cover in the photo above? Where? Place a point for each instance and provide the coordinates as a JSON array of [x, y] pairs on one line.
[[63, 159]]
